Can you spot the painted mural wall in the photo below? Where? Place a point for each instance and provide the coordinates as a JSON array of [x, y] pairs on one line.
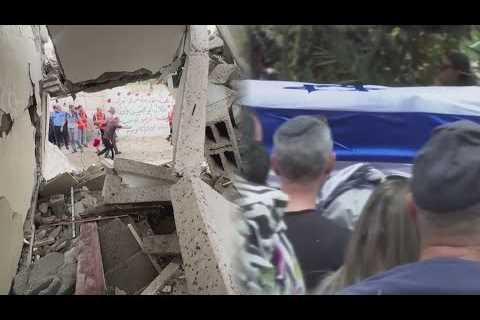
[[143, 106]]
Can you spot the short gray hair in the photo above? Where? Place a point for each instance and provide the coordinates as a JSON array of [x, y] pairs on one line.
[[302, 147]]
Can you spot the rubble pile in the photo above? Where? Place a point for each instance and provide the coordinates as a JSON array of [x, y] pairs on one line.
[[116, 223], [128, 227]]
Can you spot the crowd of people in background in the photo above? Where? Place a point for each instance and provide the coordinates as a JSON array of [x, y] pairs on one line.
[[415, 235], [69, 129]]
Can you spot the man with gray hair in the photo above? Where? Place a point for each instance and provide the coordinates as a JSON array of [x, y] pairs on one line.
[[303, 158], [445, 205]]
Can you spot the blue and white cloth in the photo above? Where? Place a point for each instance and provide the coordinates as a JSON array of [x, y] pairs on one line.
[[369, 123]]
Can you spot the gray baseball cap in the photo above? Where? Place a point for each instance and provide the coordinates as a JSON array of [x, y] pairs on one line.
[[446, 172]]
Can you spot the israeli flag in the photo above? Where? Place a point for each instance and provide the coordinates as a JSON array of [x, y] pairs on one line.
[[374, 124]]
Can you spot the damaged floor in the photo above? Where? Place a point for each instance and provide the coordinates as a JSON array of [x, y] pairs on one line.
[[87, 246]]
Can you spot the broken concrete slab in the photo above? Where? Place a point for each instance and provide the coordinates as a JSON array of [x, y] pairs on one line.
[[132, 274], [162, 245], [90, 277], [206, 233], [111, 186], [123, 194], [157, 172], [125, 265], [50, 275], [59, 185], [188, 154], [116, 242], [89, 202], [214, 42]]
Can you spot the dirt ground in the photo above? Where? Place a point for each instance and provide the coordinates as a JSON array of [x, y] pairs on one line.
[[153, 150]]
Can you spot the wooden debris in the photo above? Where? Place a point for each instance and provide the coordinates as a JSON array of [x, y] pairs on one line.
[[163, 277], [90, 275]]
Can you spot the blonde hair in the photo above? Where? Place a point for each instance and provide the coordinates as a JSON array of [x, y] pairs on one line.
[[384, 237]]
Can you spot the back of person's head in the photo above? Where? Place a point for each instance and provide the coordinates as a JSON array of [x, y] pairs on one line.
[[384, 237], [445, 184], [303, 149], [255, 160]]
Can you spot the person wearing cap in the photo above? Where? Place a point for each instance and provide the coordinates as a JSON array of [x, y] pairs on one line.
[[445, 205], [303, 158]]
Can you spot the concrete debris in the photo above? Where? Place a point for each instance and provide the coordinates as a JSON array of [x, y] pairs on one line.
[[44, 242], [57, 203], [89, 202], [224, 73], [116, 193], [50, 275], [40, 234], [55, 232], [214, 42], [56, 164], [167, 289], [205, 230], [131, 171], [79, 208], [43, 208]]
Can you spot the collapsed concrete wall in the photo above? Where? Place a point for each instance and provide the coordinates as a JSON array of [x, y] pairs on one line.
[[21, 61]]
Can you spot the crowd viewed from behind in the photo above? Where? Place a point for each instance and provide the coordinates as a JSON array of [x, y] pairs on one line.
[[418, 235]]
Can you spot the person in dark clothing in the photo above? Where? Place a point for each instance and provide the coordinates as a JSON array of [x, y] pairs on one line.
[[303, 159], [51, 130], [109, 137], [445, 206], [456, 71]]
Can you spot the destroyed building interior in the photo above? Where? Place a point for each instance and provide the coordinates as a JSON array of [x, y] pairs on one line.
[[121, 226]]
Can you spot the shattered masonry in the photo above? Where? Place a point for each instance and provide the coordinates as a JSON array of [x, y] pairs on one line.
[[133, 228]]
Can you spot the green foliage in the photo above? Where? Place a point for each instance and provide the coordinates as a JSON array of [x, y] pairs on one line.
[[384, 55]]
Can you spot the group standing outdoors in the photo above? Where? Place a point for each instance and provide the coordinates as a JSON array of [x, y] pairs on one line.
[[70, 128]]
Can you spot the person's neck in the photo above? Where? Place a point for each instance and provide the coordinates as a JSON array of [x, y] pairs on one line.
[[449, 251], [300, 197]]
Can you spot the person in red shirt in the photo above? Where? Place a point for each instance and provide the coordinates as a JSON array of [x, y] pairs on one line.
[[82, 126], [99, 120]]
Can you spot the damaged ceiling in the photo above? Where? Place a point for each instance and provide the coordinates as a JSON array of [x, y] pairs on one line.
[[89, 55]]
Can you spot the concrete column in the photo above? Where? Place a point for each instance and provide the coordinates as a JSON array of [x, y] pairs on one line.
[[188, 154]]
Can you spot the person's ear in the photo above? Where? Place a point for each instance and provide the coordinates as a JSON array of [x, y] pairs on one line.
[[411, 207], [330, 163], [274, 164]]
